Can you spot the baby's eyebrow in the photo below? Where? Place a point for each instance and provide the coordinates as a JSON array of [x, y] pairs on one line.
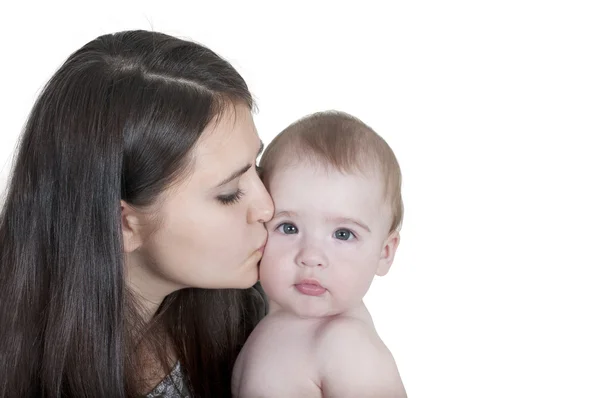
[[348, 220], [285, 213]]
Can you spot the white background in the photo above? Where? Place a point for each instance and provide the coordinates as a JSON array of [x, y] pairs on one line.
[[493, 108]]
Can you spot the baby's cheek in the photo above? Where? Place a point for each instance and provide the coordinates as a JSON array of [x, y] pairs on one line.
[[352, 283], [267, 265], [272, 271], [278, 251]]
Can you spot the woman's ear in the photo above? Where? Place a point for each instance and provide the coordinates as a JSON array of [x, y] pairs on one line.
[[131, 227], [388, 252]]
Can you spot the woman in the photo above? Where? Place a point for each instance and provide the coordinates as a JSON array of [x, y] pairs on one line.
[[132, 227]]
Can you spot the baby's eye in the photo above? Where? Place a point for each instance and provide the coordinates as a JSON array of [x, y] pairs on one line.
[[287, 228], [344, 234]]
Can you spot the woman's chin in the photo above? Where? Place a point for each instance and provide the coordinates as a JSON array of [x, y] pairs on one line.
[[249, 279]]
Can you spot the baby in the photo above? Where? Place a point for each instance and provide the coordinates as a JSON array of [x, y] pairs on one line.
[[338, 209]]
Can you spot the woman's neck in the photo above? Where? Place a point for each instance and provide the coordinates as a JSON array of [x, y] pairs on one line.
[[147, 287]]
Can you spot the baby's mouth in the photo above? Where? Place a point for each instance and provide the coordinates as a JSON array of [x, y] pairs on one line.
[[310, 287]]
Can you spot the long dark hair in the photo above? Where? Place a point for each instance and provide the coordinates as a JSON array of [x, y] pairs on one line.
[[115, 122]]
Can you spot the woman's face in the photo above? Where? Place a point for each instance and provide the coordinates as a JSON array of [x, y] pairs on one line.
[[209, 231]]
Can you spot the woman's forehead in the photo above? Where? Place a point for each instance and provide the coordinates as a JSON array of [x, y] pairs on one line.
[[227, 144]]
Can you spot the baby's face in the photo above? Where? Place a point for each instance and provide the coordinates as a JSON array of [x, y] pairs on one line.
[[327, 240]]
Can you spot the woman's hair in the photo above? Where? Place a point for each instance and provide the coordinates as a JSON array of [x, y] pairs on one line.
[[116, 122]]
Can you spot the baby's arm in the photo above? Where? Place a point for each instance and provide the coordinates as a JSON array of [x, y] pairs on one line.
[[354, 362]]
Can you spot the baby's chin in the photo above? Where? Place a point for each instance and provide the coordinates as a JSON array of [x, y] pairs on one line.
[[313, 312], [290, 301]]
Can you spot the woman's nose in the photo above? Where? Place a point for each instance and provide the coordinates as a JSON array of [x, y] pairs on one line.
[[261, 208]]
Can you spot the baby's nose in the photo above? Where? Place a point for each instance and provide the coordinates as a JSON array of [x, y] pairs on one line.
[[311, 257]]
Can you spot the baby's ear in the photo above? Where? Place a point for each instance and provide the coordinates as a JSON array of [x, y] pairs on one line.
[[388, 252]]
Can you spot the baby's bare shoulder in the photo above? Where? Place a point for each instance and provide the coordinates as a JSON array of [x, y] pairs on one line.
[[343, 332], [355, 362], [275, 339], [276, 361]]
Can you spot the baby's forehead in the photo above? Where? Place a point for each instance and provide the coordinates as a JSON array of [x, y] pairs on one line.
[[357, 183], [309, 172], [293, 166], [307, 190]]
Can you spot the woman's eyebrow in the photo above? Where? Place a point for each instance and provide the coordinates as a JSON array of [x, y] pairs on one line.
[[242, 170], [260, 148], [234, 175]]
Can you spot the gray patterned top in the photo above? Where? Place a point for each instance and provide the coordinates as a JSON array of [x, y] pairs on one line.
[[172, 386]]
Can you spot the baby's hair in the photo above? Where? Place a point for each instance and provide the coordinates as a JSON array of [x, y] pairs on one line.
[[342, 141]]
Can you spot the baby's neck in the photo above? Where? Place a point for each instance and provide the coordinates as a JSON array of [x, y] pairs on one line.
[[359, 312]]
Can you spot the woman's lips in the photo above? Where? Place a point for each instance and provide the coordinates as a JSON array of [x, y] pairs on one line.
[[262, 248], [310, 287]]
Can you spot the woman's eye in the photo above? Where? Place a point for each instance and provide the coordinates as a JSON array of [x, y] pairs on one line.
[[232, 198], [287, 229], [344, 234]]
